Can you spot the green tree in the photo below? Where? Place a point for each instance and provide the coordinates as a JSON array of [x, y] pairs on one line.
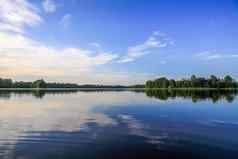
[[39, 84], [228, 81], [5, 83], [193, 82], [172, 83], [213, 81]]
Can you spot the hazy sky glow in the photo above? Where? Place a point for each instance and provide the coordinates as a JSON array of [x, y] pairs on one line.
[[119, 41]]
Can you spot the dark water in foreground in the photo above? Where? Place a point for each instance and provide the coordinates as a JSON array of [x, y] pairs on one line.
[[118, 124]]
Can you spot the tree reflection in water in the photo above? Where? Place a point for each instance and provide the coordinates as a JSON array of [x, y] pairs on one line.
[[196, 95]]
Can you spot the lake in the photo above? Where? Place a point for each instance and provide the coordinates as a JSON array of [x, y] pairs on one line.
[[118, 124]]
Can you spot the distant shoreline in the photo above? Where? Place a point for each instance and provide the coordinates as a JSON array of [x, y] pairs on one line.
[[162, 83], [39, 89], [126, 88]]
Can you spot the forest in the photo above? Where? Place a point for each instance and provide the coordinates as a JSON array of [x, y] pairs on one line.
[[162, 82], [9, 83], [193, 82]]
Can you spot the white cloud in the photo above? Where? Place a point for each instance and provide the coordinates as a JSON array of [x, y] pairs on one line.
[[49, 6], [158, 33], [23, 56], [214, 55], [65, 21], [15, 15], [156, 40]]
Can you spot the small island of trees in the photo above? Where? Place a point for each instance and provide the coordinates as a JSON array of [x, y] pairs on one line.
[[193, 82]]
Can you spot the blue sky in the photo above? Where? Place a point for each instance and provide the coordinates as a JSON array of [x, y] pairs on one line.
[[117, 41]]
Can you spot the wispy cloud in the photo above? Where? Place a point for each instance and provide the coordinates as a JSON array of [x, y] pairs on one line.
[[49, 6], [23, 56], [214, 55], [66, 20], [156, 40], [15, 15]]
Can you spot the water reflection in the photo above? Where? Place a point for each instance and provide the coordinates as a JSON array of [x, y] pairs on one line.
[[195, 95], [163, 94], [6, 94], [116, 124]]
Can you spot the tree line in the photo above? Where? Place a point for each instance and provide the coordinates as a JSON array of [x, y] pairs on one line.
[[9, 83], [163, 82], [193, 82]]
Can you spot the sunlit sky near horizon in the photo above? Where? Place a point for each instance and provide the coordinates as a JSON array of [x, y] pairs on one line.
[[117, 41]]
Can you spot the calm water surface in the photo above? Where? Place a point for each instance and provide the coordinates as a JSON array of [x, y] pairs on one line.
[[118, 125]]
